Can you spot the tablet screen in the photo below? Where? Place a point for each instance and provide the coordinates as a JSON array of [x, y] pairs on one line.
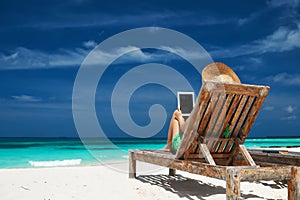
[[185, 102]]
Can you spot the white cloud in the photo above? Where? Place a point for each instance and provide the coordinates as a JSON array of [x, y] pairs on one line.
[[281, 40], [131, 54], [280, 3], [285, 78], [290, 109], [289, 118], [26, 98], [90, 44], [101, 19], [189, 54], [24, 58], [269, 108], [290, 11], [250, 18]]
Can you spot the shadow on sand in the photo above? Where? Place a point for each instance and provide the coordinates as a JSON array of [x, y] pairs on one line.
[[187, 187]]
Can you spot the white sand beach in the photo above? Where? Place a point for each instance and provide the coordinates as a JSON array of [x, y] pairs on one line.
[[102, 182]]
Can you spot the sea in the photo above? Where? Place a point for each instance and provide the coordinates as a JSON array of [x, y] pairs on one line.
[[52, 152]]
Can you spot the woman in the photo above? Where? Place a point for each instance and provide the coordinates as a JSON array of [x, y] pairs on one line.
[[216, 72], [176, 129]]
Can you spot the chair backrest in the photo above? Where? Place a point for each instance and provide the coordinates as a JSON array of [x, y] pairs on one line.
[[221, 118]]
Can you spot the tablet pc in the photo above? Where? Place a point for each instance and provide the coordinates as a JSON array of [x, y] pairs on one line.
[[186, 102]]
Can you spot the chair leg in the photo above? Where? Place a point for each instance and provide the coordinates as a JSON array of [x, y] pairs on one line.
[[233, 190], [246, 155], [172, 172], [294, 184], [132, 165], [206, 153]]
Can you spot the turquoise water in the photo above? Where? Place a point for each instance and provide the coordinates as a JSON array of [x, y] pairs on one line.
[[37, 152]]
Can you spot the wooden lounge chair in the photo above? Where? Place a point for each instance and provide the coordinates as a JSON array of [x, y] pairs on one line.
[[213, 140]]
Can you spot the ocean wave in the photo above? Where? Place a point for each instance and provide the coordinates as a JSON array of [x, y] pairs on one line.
[[55, 163]]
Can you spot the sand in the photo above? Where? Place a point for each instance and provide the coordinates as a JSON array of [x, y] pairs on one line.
[[105, 182]]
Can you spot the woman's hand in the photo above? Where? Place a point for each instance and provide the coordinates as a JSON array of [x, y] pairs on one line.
[[177, 114]]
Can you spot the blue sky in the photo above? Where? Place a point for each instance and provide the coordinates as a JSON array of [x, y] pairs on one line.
[[43, 44]]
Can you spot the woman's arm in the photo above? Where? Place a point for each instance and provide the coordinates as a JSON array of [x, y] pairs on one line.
[[180, 119]]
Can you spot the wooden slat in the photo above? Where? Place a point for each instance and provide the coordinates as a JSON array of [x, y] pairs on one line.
[[183, 165], [229, 116], [189, 133], [221, 122], [253, 113], [275, 173], [286, 159], [205, 152], [222, 114], [205, 115], [244, 115], [208, 119], [219, 139], [214, 155], [237, 115], [203, 102], [213, 122], [191, 149], [245, 106], [234, 121], [247, 173], [244, 89], [246, 155]]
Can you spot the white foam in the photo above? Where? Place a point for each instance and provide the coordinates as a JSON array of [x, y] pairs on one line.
[[55, 163]]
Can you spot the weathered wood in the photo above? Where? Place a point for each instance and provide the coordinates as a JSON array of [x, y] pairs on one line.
[[210, 115], [224, 102], [243, 116], [194, 167], [231, 110], [199, 117], [172, 172], [294, 184], [275, 173], [132, 165], [252, 108], [246, 155], [220, 105], [284, 159], [234, 121], [233, 191], [205, 152], [210, 130], [190, 134], [214, 155], [214, 111], [253, 113], [251, 90], [221, 124], [232, 175]]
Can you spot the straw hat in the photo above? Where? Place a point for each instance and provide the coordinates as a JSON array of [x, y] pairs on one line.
[[218, 71]]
